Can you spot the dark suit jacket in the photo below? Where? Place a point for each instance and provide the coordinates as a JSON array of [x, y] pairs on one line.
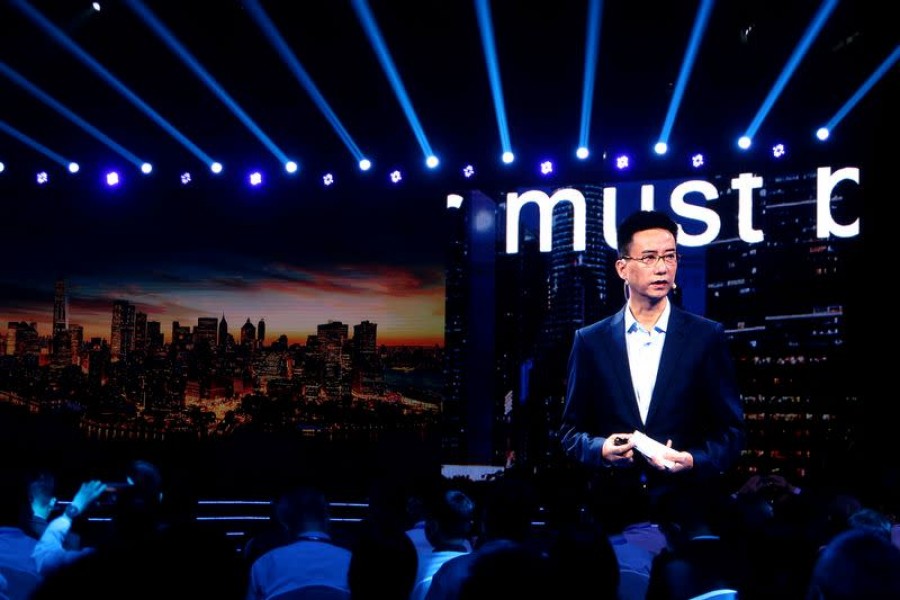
[[695, 401]]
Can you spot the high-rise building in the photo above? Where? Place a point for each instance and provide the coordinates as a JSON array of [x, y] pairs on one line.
[[261, 333], [60, 308], [367, 377], [248, 334], [140, 331], [365, 344], [332, 336], [62, 342], [77, 334], [468, 408], [551, 295], [788, 306], [223, 331], [207, 329], [154, 335], [121, 339]]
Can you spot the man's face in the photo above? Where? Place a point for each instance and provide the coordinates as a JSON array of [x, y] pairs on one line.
[[653, 280]]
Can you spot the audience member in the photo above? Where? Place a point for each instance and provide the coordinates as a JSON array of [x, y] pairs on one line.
[[856, 564], [696, 559], [144, 555], [274, 534], [448, 529], [870, 519], [310, 559], [50, 553], [509, 571], [509, 506], [582, 558], [383, 565], [41, 502], [19, 574]]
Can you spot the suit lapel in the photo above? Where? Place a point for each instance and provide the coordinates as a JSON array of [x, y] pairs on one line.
[[668, 362], [619, 360]]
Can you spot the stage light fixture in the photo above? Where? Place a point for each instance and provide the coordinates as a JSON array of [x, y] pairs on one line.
[[2, 167], [185, 178], [468, 171], [697, 160], [255, 178], [112, 179], [778, 150], [822, 133], [622, 162], [42, 178], [432, 161], [582, 153], [146, 168], [396, 176], [365, 164], [454, 200], [546, 167], [73, 167], [661, 148], [216, 168], [327, 179], [290, 166], [96, 6], [508, 157], [744, 142]]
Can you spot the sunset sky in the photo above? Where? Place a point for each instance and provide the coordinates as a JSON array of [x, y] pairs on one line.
[[186, 254], [407, 304]]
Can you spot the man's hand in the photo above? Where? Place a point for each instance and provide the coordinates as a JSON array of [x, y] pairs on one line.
[[672, 460], [618, 450], [87, 493]]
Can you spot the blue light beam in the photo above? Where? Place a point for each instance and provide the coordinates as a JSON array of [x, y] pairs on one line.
[[809, 36], [367, 19], [595, 13], [111, 79], [12, 131], [486, 26], [883, 68], [290, 59], [166, 36], [687, 66], [67, 113]]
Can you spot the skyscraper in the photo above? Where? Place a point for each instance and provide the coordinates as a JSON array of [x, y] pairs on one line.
[[332, 336], [248, 334], [62, 343], [140, 331], [121, 339], [206, 331], [60, 308], [787, 305], [223, 331], [468, 409]]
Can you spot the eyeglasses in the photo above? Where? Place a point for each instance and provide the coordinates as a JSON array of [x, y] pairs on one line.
[[651, 260]]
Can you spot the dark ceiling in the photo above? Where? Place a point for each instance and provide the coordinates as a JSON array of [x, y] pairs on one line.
[[438, 53]]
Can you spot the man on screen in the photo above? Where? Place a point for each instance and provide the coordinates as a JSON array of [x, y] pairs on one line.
[[651, 370]]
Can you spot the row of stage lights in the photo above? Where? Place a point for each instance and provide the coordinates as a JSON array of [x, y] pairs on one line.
[[622, 162]]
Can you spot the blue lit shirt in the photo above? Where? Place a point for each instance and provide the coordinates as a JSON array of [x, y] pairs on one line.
[[644, 351]]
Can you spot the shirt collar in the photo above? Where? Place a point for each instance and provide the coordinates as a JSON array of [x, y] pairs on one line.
[[662, 324]]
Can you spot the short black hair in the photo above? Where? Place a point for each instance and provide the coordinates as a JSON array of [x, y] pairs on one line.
[[643, 220]]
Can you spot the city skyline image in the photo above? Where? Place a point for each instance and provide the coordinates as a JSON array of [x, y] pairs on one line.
[[408, 304], [178, 256], [112, 307]]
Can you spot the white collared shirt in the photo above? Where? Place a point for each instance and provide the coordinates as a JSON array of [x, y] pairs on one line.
[[644, 351]]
